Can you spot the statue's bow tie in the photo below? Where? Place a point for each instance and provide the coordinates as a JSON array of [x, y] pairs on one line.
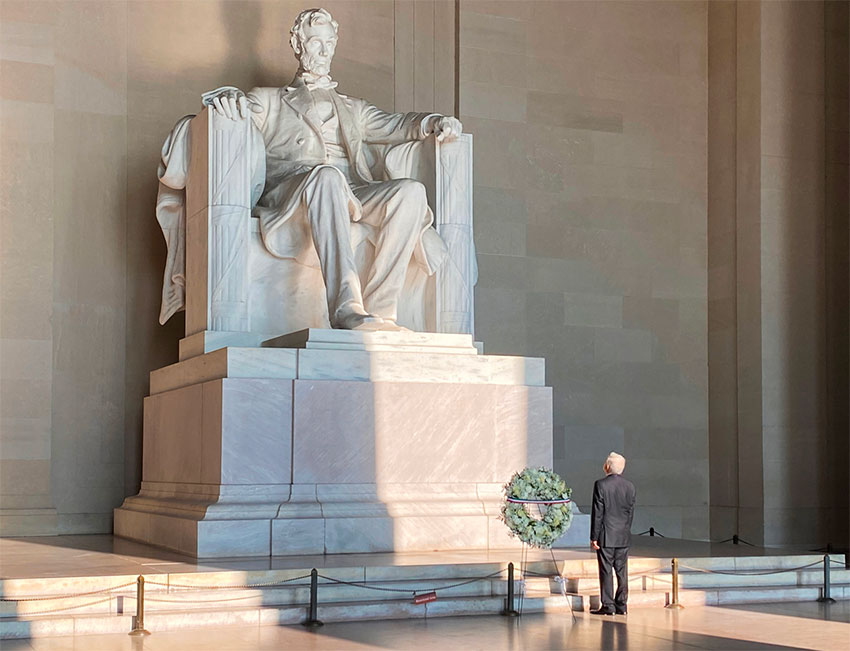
[[316, 82]]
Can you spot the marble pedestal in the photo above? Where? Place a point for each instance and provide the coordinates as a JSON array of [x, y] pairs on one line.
[[329, 441]]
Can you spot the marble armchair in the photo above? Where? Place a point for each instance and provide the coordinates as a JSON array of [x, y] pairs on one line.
[[236, 293]]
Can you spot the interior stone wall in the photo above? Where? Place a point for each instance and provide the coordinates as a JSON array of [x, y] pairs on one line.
[[590, 194], [64, 157], [722, 266], [778, 260], [612, 240], [793, 272]]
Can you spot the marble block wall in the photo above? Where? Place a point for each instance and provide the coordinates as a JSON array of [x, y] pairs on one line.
[[590, 226], [64, 158], [253, 467]]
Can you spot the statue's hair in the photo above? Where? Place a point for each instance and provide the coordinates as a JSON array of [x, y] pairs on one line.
[[615, 463], [309, 17]]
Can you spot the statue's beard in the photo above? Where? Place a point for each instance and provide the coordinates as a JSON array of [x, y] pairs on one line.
[[315, 65]]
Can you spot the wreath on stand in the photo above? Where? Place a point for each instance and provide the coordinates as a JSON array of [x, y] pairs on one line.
[[537, 507]]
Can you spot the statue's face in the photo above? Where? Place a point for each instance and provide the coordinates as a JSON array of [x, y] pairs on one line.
[[317, 49]]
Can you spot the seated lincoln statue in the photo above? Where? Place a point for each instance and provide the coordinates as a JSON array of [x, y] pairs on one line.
[[320, 195]]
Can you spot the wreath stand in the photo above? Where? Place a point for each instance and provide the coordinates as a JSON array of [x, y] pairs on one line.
[[524, 557]]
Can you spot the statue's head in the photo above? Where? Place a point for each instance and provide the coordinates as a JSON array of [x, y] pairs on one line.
[[313, 39]]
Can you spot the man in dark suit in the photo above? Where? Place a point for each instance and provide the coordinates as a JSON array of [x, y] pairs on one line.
[[611, 533]]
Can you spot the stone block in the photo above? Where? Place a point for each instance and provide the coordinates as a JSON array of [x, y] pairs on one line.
[[292, 537], [622, 345], [491, 32], [253, 466], [593, 310], [385, 432]]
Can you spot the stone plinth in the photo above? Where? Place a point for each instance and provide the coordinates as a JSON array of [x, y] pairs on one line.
[[350, 442]]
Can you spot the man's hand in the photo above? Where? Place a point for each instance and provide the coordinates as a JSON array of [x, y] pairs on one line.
[[228, 101], [445, 127], [594, 544]]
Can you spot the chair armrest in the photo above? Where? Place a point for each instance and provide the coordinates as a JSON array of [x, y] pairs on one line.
[[218, 202]]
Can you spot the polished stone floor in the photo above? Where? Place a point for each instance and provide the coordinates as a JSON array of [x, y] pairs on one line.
[[767, 626], [104, 555]]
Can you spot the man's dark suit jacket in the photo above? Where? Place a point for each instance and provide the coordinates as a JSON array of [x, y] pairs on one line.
[[612, 511]]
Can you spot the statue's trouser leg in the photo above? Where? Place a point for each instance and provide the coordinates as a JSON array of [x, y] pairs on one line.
[[326, 198], [398, 212]]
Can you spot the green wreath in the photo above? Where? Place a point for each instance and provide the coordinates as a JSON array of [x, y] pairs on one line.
[[537, 490]]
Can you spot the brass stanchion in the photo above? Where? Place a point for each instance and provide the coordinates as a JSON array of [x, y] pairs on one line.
[[825, 598], [139, 619], [675, 603], [509, 610]]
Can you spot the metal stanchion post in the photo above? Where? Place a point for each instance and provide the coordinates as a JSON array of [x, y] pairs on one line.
[[652, 531], [509, 610], [675, 602], [312, 616], [825, 598], [139, 619]]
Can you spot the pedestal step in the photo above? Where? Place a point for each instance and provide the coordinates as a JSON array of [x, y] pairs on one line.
[[739, 581], [170, 605]]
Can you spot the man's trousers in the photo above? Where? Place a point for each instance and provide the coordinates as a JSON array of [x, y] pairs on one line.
[[618, 558]]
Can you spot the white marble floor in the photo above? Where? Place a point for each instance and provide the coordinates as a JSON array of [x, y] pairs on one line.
[[767, 626]]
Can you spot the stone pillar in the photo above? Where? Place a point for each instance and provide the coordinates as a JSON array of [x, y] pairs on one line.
[[27, 197], [837, 89], [778, 279]]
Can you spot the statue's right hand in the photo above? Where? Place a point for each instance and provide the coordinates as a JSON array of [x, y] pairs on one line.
[[227, 101]]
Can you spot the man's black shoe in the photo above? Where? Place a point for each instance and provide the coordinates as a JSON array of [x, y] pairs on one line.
[[621, 612], [602, 611]]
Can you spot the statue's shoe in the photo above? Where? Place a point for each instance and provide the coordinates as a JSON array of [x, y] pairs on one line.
[[355, 321], [391, 326]]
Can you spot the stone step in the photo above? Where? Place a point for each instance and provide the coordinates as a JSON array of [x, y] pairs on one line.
[[186, 615], [645, 575], [172, 606], [20, 588], [570, 568], [65, 625], [285, 595], [700, 580]]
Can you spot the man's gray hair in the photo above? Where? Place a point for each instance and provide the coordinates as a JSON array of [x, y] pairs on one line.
[[309, 17], [616, 463]]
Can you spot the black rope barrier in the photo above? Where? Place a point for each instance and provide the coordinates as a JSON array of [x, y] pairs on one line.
[[269, 584], [67, 596], [825, 595], [420, 595], [67, 608], [509, 610], [735, 540], [313, 620], [366, 586], [749, 573]]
